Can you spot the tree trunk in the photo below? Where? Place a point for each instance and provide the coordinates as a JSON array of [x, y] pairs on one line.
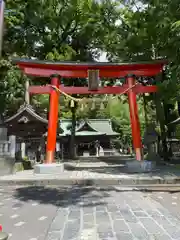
[[167, 115], [73, 132], [161, 120], [145, 110]]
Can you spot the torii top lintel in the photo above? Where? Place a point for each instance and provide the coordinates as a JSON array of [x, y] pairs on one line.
[[79, 69]]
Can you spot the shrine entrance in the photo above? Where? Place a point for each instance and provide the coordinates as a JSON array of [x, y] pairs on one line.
[[93, 72]]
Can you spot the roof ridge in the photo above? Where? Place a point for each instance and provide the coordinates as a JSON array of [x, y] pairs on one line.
[[30, 110], [84, 123], [99, 120], [89, 119]]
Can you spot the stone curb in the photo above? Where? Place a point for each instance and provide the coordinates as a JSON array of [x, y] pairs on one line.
[[93, 182]]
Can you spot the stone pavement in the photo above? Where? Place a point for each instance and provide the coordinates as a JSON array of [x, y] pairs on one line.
[[168, 200], [165, 175], [22, 217], [114, 216], [56, 213]]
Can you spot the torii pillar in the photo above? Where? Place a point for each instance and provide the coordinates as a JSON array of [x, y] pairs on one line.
[[135, 125], [52, 120], [49, 166]]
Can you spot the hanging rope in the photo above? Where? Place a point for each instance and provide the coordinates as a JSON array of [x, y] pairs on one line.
[[80, 99], [65, 94]]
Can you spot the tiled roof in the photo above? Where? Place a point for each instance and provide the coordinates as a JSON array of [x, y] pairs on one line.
[[84, 127], [102, 125], [26, 110], [89, 133], [90, 127]]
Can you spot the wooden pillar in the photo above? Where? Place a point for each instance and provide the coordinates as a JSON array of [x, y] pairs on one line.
[[53, 120], [135, 126]]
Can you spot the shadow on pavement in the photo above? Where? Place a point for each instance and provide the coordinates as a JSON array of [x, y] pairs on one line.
[[140, 189], [62, 196], [77, 194]]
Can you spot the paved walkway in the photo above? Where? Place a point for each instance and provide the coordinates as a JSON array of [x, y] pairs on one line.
[[51, 213], [165, 175], [115, 216]]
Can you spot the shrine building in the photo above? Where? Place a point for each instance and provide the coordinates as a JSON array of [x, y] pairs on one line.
[[30, 131]]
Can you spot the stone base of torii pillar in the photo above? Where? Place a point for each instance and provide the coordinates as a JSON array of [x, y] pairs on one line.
[[52, 168], [134, 166]]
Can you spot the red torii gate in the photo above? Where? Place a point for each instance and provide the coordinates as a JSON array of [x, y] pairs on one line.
[[55, 70]]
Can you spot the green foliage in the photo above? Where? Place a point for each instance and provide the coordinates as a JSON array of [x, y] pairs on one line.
[[11, 87], [147, 30], [56, 30], [53, 30]]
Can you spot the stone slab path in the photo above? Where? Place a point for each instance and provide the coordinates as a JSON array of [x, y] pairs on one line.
[[57, 213], [163, 176]]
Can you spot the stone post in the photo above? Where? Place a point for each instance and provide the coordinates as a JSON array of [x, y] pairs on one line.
[[6, 148], [12, 140], [23, 150]]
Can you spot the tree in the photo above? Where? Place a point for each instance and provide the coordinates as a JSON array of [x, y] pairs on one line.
[[147, 30], [56, 30], [11, 88]]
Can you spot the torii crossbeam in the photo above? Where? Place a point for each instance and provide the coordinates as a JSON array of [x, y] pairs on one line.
[[56, 70]]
